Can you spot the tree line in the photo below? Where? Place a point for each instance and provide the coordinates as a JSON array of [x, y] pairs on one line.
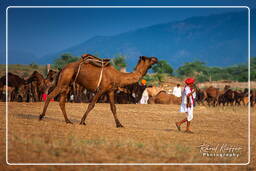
[[197, 69]]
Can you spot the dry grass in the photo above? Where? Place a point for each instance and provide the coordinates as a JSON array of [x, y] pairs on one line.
[[149, 136]]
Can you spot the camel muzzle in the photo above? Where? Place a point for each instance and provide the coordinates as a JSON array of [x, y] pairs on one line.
[[154, 60]]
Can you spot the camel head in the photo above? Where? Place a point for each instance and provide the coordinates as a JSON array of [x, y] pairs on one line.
[[145, 63], [22, 92]]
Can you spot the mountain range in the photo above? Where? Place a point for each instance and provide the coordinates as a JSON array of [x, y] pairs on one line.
[[217, 40]]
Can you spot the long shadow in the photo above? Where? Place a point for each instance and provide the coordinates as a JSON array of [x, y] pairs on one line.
[[34, 117]]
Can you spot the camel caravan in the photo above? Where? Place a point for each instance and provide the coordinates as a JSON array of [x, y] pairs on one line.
[[86, 77]]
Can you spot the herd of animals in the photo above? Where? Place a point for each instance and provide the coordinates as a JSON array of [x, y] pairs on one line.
[[32, 89]]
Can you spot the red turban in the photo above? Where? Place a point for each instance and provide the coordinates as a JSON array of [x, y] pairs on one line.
[[189, 81]]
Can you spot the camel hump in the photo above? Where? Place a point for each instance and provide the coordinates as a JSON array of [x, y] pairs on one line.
[[161, 92], [88, 56], [99, 62]]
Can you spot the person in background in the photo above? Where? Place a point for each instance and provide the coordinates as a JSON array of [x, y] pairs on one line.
[[177, 91], [187, 105], [72, 98], [145, 97]]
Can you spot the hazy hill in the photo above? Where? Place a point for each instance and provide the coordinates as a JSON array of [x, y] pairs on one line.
[[218, 40]]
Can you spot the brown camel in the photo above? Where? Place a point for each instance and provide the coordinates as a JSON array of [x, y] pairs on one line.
[[39, 85], [163, 98], [3, 90], [19, 85], [153, 91], [212, 95], [51, 75], [101, 78]]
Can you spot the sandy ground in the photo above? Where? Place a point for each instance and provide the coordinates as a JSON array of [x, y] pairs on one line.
[[149, 136]]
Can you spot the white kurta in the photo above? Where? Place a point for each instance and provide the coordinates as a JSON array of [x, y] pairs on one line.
[[183, 106], [144, 98], [177, 91]]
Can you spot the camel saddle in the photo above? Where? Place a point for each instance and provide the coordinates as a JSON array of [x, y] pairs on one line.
[[99, 62]]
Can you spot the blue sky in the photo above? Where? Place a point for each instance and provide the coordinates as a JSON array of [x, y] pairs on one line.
[[41, 31]]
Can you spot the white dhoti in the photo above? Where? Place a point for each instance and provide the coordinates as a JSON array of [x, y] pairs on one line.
[[144, 98], [183, 106], [187, 110]]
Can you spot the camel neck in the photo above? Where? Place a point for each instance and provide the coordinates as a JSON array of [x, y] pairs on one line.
[[128, 78], [133, 77]]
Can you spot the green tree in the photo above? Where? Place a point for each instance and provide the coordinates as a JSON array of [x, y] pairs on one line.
[[253, 69], [203, 73], [162, 67], [33, 65], [155, 79], [65, 59], [119, 62], [193, 69]]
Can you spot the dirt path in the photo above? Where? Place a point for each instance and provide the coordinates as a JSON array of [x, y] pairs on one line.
[[149, 136]]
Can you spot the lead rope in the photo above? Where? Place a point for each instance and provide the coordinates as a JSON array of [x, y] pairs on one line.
[[74, 83], [101, 72]]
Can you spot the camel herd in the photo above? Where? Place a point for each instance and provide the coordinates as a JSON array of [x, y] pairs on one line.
[[84, 85], [32, 89], [216, 97], [25, 90]]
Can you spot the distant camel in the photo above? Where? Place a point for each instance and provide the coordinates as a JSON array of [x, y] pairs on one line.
[[19, 85], [153, 91], [163, 98], [97, 75], [39, 85], [212, 95]]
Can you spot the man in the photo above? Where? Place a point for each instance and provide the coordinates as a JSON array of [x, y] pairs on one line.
[[187, 105], [177, 91], [145, 97]]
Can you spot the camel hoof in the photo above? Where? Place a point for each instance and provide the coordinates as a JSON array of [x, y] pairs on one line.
[[68, 122], [41, 117], [82, 123], [119, 125]]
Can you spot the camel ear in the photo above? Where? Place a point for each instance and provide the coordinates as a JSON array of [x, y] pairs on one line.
[[143, 57]]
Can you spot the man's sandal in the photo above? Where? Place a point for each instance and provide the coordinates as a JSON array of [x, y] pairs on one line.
[[189, 132], [178, 126]]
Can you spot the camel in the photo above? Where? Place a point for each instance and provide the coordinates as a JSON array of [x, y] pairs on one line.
[[163, 98], [39, 85], [51, 75], [3, 90], [96, 75], [19, 85], [153, 91], [212, 95], [130, 94]]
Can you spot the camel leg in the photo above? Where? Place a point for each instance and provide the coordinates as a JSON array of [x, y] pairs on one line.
[[113, 108], [90, 106], [36, 95], [62, 106], [54, 93]]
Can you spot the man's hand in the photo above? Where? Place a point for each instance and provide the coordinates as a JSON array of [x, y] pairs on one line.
[[188, 102]]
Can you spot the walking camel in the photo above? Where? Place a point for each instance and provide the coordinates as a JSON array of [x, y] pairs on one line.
[[97, 75]]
